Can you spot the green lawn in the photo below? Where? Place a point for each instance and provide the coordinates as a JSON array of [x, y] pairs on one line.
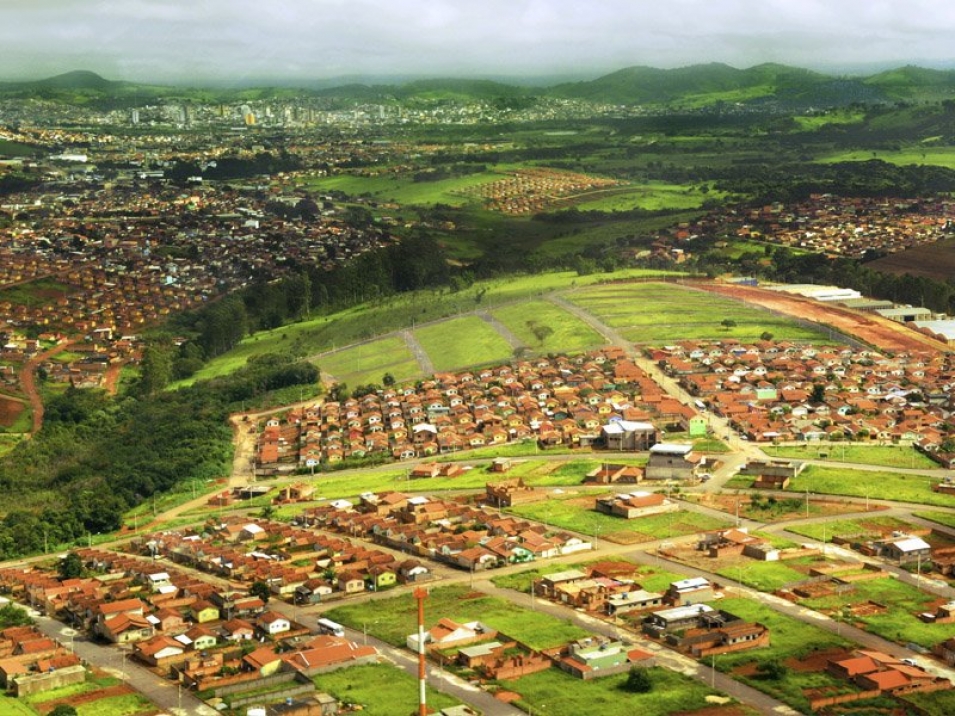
[[658, 312], [556, 693], [878, 485], [767, 576], [568, 333], [651, 196], [368, 362], [461, 342], [394, 619], [901, 456], [578, 514], [381, 689], [11, 706]]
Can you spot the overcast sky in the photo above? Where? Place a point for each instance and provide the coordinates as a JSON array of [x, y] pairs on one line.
[[240, 41]]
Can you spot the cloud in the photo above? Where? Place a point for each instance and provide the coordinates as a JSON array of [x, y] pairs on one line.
[[169, 39]]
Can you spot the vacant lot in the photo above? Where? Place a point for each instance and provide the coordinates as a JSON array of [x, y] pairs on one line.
[[461, 342], [879, 485], [545, 328], [882, 455], [577, 513], [394, 619], [380, 689], [658, 312], [555, 693], [368, 362], [35, 293]]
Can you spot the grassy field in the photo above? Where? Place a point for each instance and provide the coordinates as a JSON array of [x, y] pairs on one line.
[[879, 485], [940, 703], [35, 293], [898, 622], [651, 196], [651, 579], [8, 442], [662, 312], [125, 705], [577, 513], [368, 362], [339, 330], [12, 706], [380, 689], [766, 576], [936, 156], [790, 639], [882, 455], [869, 527], [568, 334], [461, 342], [555, 693], [943, 518], [392, 620]]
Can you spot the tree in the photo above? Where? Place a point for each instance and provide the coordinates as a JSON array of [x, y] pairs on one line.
[[63, 710], [387, 380], [155, 370], [261, 590], [766, 336], [772, 669], [638, 681], [542, 333], [13, 615], [728, 323], [818, 393], [71, 566]]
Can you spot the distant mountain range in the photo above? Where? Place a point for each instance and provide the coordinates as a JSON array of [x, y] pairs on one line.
[[696, 86]]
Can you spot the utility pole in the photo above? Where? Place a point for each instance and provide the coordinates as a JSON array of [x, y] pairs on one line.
[[420, 594]]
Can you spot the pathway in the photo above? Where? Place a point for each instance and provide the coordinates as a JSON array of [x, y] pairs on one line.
[[424, 361], [505, 332]]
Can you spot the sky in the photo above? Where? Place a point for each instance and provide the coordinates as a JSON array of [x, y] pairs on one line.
[[247, 41]]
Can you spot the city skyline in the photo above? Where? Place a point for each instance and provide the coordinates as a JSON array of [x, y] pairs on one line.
[[239, 42]]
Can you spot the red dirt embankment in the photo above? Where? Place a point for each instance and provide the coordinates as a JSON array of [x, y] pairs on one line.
[[876, 331]]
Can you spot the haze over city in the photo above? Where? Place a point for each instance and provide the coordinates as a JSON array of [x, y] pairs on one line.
[[246, 42]]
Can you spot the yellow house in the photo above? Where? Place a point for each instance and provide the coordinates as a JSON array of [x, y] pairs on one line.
[[203, 611], [264, 660]]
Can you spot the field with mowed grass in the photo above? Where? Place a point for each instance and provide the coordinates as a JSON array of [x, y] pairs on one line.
[[392, 620], [546, 328], [556, 693], [380, 690], [461, 342], [876, 484], [650, 578], [368, 362], [663, 312]]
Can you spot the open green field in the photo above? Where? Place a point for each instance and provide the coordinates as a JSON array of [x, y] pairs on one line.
[[35, 293], [790, 639], [902, 456], [865, 528], [392, 620], [404, 190], [380, 689], [461, 342], [939, 703], [8, 442], [898, 622], [662, 312], [569, 333], [878, 485], [556, 693], [767, 576], [936, 156], [15, 149], [12, 706], [651, 196], [943, 518], [368, 362], [341, 329], [125, 705], [577, 513]]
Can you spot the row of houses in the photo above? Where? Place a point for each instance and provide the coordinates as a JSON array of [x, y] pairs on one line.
[[449, 531], [783, 391], [598, 398]]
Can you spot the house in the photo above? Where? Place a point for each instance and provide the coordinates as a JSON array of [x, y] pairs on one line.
[[447, 633], [508, 493], [626, 435], [326, 653], [692, 590], [610, 473], [237, 630], [156, 650], [264, 661], [126, 628], [907, 550], [673, 461], [601, 656], [668, 620], [632, 601], [273, 623], [631, 505], [204, 611]]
